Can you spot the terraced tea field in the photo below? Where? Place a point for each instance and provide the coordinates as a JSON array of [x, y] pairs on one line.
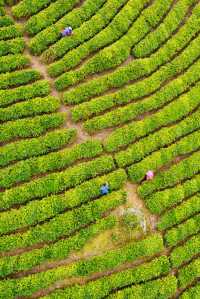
[[114, 99]]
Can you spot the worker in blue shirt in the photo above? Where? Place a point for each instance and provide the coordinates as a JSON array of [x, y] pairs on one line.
[[104, 190], [67, 31]]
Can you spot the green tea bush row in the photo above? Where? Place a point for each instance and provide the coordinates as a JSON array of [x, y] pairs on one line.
[[183, 231], [39, 281], [137, 68], [36, 89], [86, 31], [37, 211], [162, 288], [6, 21], [57, 182], [193, 292], [122, 115], [24, 170], [48, 16], [160, 201], [104, 286], [68, 223], [2, 11], [141, 89], [18, 78], [165, 155], [27, 8], [169, 25], [171, 113], [34, 147], [185, 252], [111, 259], [74, 18], [163, 137], [180, 213], [189, 273], [117, 27], [30, 127], [10, 32], [186, 169], [58, 250], [32, 107], [12, 46], [13, 62], [119, 51]]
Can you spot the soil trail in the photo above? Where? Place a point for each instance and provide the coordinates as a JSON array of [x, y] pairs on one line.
[[135, 202]]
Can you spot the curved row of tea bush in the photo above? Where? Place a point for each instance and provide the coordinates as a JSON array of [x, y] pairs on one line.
[[119, 51], [164, 156], [56, 182], [50, 206], [74, 18], [160, 201], [86, 31], [136, 68], [68, 223], [109, 260], [170, 113], [24, 170], [37, 146], [117, 27], [104, 286], [48, 16], [30, 127], [30, 108]]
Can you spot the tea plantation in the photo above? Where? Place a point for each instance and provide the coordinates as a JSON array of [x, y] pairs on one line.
[[100, 149]]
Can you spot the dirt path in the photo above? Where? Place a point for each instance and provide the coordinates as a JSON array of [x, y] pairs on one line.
[[135, 202]]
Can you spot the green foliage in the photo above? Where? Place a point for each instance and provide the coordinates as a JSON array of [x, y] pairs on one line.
[[48, 16], [68, 223], [37, 211], [36, 89], [18, 78], [165, 95], [162, 288], [171, 23], [162, 200], [107, 261], [57, 182], [30, 127], [183, 231], [137, 68], [86, 31], [12, 46], [27, 8], [56, 251], [6, 21], [116, 28], [31, 107], [165, 155], [24, 170], [74, 18], [189, 273], [159, 139], [119, 51], [104, 286], [180, 213], [185, 169], [9, 32], [34, 147], [171, 113], [13, 62], [191, 293], [186, 252]]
